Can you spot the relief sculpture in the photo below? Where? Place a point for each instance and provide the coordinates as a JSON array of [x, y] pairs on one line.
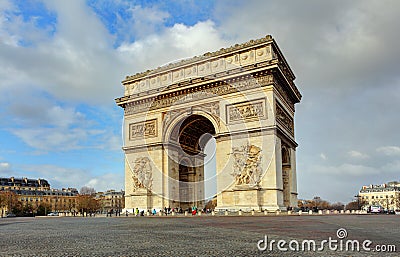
[[247, 165], [142, 174], [223, 89], [246, 111], [283, 118], [143, 129]]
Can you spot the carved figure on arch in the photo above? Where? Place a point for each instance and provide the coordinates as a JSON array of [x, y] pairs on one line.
[[142, 173], [247, 165]]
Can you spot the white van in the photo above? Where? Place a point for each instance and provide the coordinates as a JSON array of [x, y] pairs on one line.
[[376, 209]]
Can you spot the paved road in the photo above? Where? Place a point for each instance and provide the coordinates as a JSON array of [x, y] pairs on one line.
[[193, 236]]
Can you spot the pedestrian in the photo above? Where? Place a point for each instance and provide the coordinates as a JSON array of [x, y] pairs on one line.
[[154, 212]]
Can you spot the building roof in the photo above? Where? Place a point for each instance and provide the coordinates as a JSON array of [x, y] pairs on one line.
[[390, 186], [24, 182]]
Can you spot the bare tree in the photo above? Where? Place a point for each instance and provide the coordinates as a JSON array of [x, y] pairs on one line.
[[3, 202], [353, 205], [337, 206], [87, 191], [87, 204]]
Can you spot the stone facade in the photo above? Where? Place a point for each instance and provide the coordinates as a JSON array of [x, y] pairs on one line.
[[111, 201], [36, 192], [243, 96], [386, 195]]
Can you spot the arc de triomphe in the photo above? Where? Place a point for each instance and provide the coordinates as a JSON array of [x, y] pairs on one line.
[[244, 96]]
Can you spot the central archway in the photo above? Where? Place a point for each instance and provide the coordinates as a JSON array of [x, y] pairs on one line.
[[190, 136]]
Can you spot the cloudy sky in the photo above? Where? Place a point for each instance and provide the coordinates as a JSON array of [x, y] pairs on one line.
[[61, 63]]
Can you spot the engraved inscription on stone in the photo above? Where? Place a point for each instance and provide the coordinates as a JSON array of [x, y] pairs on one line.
[[143, 129], [246, 111]]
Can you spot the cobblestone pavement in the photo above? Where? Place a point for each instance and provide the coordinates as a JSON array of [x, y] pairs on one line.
[[190, 236]]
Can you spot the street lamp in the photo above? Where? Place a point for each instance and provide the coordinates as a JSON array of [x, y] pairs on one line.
[[358, 201]]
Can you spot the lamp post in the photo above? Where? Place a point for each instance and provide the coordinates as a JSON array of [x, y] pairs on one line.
[[358, 201]]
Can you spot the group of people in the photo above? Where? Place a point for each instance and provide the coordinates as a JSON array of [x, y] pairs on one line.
[[168, 210], [136, 212]]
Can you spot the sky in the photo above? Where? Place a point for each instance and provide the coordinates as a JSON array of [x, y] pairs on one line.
[[61, 64]]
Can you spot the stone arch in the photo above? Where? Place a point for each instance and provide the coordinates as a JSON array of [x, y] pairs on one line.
[[186, 137], [177, 118]]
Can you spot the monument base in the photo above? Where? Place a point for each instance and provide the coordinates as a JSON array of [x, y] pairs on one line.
[[247, 198]]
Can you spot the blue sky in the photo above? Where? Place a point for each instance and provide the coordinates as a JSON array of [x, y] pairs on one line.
[[61, 63]]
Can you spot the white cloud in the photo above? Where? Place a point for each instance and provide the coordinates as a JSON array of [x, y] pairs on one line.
[[7, 170], [4, 166], [389, 150], [347, 170], [144, 21], [77, 62], [177, 42], [357, 155], [34, 111], [107, 181], [56, 139], [46, 126], [62, 177], [393, 166]]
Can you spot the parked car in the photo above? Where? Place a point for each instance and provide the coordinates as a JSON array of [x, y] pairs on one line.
[[53, 214], [10, 215], [376, 209]]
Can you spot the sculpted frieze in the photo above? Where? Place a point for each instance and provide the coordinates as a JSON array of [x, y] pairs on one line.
[[199, 93], [252, 110], [143, 129], [284, 119]]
